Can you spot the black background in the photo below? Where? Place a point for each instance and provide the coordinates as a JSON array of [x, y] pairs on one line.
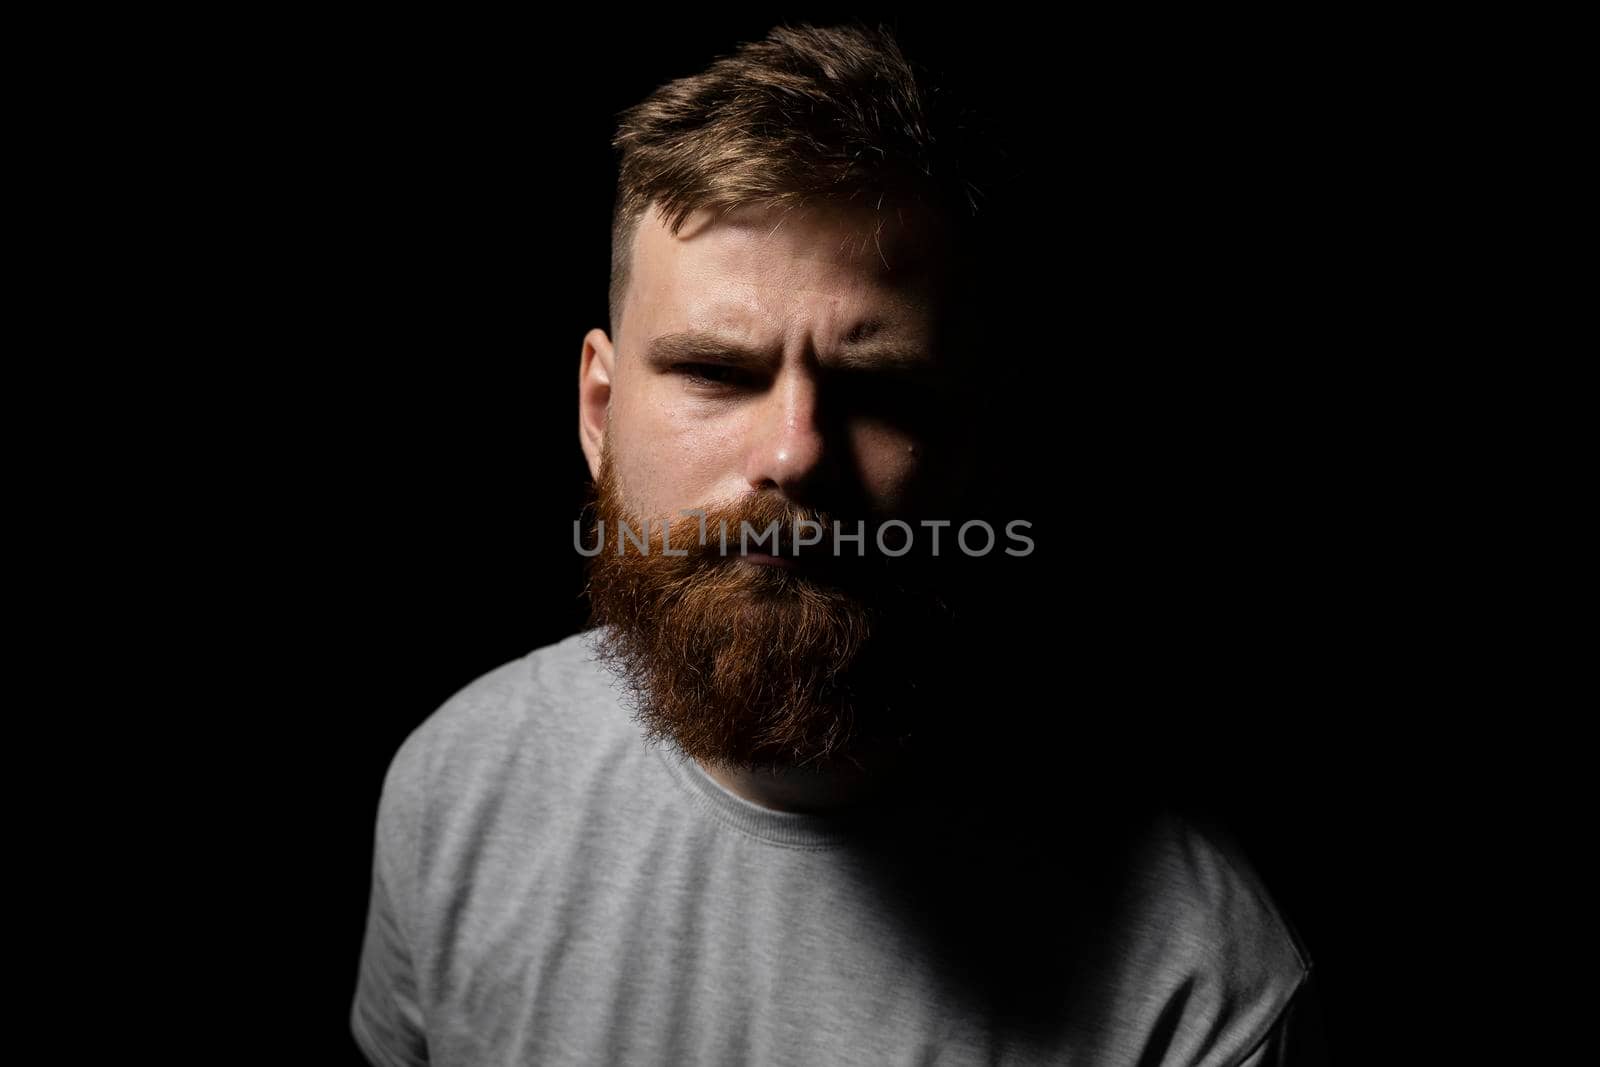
[[407, 238]]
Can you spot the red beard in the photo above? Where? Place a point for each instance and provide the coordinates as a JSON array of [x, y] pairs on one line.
[[761, 667]]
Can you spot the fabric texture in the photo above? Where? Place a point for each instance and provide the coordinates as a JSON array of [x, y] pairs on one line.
[[548, 888]]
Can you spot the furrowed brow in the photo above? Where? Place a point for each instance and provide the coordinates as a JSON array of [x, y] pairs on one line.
[[692, 347], [867, 348], [884, 358]]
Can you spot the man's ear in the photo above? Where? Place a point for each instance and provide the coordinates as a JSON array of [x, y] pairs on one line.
[[594, 395]]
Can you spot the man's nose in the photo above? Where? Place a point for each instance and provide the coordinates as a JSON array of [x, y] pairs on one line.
[[789, 447]]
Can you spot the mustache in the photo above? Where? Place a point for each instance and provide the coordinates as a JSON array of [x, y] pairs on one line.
[[761, 523]]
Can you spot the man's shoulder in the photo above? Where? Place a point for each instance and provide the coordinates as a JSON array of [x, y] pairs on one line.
[[1198, 873], [1215, 949], [553, 697]]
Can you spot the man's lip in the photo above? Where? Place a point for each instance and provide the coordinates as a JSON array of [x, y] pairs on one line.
[[764, 560]]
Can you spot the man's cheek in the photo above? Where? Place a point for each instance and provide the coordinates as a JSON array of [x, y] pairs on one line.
[[887, 464]]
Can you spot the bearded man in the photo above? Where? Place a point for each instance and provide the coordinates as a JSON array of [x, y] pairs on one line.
[[748, 817]]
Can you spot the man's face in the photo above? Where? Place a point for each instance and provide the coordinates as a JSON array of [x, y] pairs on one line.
[[773, 368], [766, 351]]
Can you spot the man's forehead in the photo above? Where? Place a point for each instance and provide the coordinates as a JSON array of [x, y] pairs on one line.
[[889, 245], [723, 268]]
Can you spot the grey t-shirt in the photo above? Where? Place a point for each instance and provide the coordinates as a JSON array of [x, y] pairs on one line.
[[548, 888]]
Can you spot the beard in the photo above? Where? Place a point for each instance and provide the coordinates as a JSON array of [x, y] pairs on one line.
[[818, 665]]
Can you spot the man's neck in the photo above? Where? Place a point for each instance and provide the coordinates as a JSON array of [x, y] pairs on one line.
[[811, 790]]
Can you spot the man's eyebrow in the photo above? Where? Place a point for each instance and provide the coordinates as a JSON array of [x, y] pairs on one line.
[[866, 347], [892, 358], [691, 347]]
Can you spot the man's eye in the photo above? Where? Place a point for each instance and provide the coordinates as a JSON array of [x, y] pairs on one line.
[[712, 373]]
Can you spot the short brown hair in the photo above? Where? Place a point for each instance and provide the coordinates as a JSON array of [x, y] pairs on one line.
[[835, 113]]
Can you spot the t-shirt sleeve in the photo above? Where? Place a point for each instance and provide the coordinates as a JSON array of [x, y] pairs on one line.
[[386, 1017], [1298, 1038]]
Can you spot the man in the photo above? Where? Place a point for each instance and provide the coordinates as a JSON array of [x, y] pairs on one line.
[[758, 814]]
